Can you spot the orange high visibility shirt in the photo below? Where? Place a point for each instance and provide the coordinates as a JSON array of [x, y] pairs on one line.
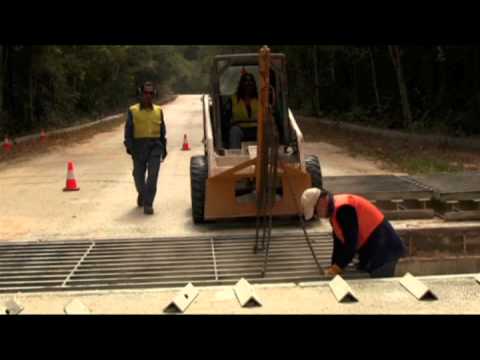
[[368, 216]]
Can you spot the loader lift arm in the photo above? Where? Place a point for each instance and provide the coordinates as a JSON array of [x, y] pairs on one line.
[[266, 177], [267, 165]]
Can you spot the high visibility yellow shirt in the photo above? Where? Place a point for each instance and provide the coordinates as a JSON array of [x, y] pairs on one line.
[[240, 113], [146, 122]]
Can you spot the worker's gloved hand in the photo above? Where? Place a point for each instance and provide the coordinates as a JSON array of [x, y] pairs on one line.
[[129, 152], [333, 270]]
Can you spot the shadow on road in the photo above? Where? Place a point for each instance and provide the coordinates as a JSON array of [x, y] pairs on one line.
[[134, 215]]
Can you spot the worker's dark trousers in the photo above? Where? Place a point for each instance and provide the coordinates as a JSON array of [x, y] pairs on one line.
[[147, 161], [238, 134], [386, 270]]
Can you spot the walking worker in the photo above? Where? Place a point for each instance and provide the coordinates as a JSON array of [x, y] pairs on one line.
[[358, 227], [145, 140]]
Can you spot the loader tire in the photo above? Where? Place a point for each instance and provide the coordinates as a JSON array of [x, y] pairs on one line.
[[198, 184], [313, 167]]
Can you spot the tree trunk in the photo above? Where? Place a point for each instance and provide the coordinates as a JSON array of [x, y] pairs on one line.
[[2, 69], [8, 88], [397, 63], [317, 82], [476, 81], [355, 84], [442, 78], [28, 92], [332, 66], [374, 78], [4, 73]]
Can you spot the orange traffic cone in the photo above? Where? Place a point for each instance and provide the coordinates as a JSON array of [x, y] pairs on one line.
[[71, 182], [43, 136], [7, 144], [186, 145]]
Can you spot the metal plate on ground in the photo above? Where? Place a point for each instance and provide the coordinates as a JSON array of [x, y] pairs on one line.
[[76, 307], [457, 196], [12, 307], [417, 288], [342, 291], [377, 187], [246, 294], [399, 197], [182, 300], [462, 186]]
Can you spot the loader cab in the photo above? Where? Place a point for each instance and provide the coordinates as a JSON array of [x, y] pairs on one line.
[[224, 181], [226, 74]]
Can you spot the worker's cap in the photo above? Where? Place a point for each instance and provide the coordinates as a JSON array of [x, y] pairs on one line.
[[309, 201]]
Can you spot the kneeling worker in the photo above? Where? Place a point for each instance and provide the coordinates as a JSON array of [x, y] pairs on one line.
[[358, 226]]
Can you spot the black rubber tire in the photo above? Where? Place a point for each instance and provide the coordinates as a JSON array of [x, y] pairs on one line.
[[198, 181], [313, 167]]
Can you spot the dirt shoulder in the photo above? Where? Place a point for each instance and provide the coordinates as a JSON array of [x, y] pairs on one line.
[[34, 146], [392, 155]]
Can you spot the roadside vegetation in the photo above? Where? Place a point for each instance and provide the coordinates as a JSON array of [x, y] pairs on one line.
[[395, 155], [431, 89]]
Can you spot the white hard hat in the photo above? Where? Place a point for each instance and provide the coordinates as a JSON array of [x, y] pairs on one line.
[[309, 201]]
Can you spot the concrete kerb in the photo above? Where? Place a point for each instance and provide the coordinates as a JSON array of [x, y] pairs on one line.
[[394, 134], [80, 293], [27, 138], [67, 130], [322, 286], [308, 284]]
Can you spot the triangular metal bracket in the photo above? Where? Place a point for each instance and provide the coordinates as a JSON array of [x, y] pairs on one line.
[[246, 295], [182, 300], [11, 307], [417, 288], [342, 291], [76, 307]]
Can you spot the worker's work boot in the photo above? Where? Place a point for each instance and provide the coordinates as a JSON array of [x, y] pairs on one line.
[[139, 200], [148, 210]]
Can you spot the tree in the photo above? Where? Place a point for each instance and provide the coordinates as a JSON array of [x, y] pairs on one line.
[[395, 55], [317, 83], [2, 70], [374, 78]]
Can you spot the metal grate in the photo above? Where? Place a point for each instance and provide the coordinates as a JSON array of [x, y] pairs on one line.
[[162, 262], [399, 197], [378, 187], [463, 186]]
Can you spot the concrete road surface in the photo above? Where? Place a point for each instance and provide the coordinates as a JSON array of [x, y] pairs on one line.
[[457, 294], [33, 206]]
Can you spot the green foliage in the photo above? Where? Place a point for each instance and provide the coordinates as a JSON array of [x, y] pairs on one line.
[[442, 83], [70, 82], [421, 165], [43, 86], [357, 114]]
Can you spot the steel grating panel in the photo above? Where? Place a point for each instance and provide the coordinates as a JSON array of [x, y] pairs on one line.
[[462, 186], [378, 187], [162, 262], [399, 197], [287, 256]]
